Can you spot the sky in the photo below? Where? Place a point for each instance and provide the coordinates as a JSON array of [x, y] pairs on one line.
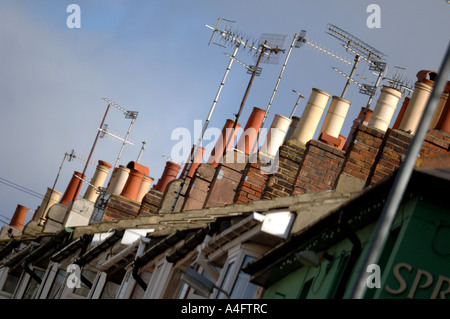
[[154, 58]]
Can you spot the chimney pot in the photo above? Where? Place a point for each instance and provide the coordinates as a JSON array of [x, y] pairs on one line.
[[310, 119], [276, 134], [170, 173], [219, 148], [385, 108], [197, 161], [19, 217], [51, 198], [248, 138], [118, 179], [131, 188], [98, 180], [69, 194], [335, 117]]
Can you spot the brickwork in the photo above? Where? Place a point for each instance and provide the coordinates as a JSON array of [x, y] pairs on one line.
[[362, 152], [436, 143], [120, 207], [199, 187], [320, 167], [151, 202], [281, 183], [396, 144], [252, 183]]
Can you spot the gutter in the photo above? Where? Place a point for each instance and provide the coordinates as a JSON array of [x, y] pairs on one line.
[[153, 251], [60, 237]]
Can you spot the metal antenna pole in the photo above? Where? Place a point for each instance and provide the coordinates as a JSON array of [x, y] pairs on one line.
[[205, 126], [244, 99], [350, 76], [366, 109], [125, 141], [89, 157], [401, 180], [300, 96], [141, 151], [71, 155]]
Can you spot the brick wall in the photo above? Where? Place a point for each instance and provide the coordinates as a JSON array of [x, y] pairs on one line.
[[436, 143], [280, 184], [360, 159], [151, 202], [198, 188], [320, 167], [252, 183], [120, 207], [394, 147]]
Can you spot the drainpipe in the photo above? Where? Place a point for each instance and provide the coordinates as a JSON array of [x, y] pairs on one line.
[[137, 266], [351, 262]]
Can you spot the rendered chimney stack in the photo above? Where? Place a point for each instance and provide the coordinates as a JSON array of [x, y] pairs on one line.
[[219, 148], [97, 180], [69, 194], [385, 108], [311, 116], [276, 134], [134, 181], [250, 133], [419, 99], [51, 198], [440, 107], [292, 127], [444, 121], [144, 188], [197, 161], [335, 117], [18, 219], [118, 179], [170, 173]]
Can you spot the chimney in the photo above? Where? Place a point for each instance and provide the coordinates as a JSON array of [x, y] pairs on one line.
[[170, 173], [135, 178], [219, 148], [144, 188], [401, 113], [311, 116], [385, 108], [51, 198], [440, 107], [118, 179], [19, 217], [197, 161], [419, 99], [97, 180], [294, 123], [276, 134], [444, 121], [248, 138], [334, 120], [69, 194], [356, 121]]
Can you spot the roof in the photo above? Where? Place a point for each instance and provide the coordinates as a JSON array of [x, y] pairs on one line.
[[355, 213]]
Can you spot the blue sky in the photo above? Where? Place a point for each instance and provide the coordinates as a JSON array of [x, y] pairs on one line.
[[153, 57]]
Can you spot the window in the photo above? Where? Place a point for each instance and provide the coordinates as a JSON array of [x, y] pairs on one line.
[[84, 290], [125, 284], [109, 290], [57, 285], [243, 288], [32, 285], [10, 283]]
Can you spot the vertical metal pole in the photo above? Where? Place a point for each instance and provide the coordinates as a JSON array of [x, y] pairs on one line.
[[296, 104], [274, 92], [124, 142], [401, 180], [366, 109], [89, 157], [205, 126], [351, 76], [141, 151], [243, 100]]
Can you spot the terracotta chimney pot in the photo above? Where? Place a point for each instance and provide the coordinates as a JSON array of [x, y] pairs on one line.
[[69, 194], [219, 148], [197, 161], [18, 220], [131, 188], [248, 137], [170, 173]]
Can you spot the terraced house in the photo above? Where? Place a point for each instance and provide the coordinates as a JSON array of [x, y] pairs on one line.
[[293, 222]]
